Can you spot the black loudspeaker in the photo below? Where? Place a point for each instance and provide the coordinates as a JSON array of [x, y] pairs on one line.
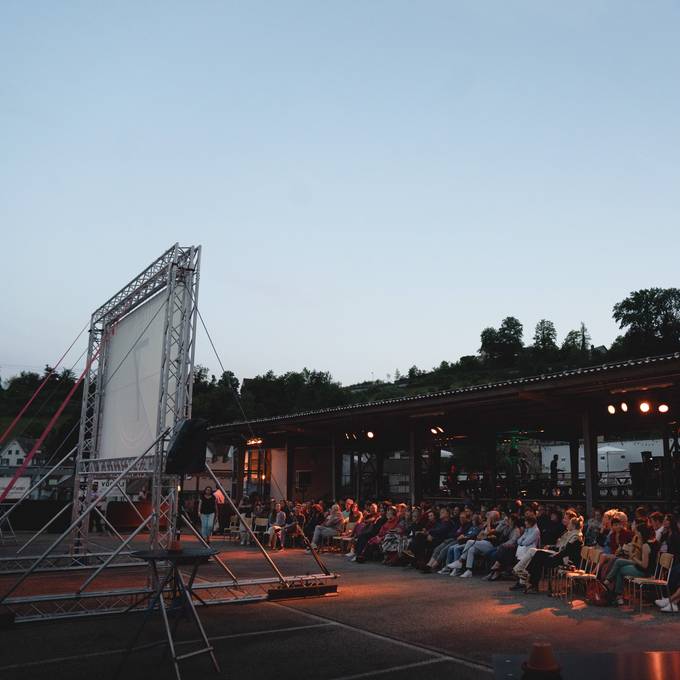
[[186, 452]]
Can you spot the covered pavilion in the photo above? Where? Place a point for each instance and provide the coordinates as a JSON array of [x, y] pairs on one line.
[[466, 442]]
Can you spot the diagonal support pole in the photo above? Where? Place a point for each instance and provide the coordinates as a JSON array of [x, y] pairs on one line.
[[261, 548], [205, 543], [114, 554]]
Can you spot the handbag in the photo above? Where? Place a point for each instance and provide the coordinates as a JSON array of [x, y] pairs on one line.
[[597, 594]]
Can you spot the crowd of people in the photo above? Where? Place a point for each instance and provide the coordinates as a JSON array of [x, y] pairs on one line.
[[520, 543]]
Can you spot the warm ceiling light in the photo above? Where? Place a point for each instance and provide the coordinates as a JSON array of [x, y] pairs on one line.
[[664, 408], [440, 429], [370, 434], [624, 407], [434, 430], [644, 406], [611, 408]]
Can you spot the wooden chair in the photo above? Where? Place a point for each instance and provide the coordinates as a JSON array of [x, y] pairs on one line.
[[557, 577], [590, 556], [659, 581], [343, 539], [233, 528], [260, 526]]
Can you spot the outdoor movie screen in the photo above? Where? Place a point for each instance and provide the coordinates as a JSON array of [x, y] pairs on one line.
[[130, 401]]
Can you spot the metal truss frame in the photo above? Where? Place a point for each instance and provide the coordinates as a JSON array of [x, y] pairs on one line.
[[175, 274]]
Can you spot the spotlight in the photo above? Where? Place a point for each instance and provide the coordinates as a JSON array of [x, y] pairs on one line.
[[370, 434], [624, 407], [611, 408], [440, 429], [664, 408], [434, 430], [644, 407]]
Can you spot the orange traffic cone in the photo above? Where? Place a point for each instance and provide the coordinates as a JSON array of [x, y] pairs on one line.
[[541, 662]]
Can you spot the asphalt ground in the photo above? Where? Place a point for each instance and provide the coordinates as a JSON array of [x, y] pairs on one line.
[[385, 622]]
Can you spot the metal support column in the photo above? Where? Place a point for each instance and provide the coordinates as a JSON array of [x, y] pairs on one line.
[[592, 480], [414, 469], [667, 468], [290, 470], [334, 471], [574, 448]]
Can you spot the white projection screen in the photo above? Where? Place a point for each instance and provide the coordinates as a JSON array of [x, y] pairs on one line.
[[129, 409]]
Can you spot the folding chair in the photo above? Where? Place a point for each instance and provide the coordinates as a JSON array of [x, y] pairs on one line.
[[591, 554], [234, 527], [558, 576], [345, 537], [659, 580], [260, 526]]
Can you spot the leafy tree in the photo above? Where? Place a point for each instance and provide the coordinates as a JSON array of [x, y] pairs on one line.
[[571, 343], [651, 319], [503, 346], [414, 372], [545, 337]]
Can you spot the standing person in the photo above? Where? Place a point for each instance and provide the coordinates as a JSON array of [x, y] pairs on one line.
[[221, 510], [206, 512], [554, 471]]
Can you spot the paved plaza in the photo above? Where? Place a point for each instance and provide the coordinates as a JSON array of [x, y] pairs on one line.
[[385, 622]]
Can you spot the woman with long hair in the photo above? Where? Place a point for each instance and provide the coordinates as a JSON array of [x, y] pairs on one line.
[[206, 511], [638, 565]]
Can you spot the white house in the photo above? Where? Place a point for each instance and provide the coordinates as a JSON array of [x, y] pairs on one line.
[[15, 451]]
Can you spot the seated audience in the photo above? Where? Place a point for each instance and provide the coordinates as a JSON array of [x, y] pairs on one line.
[[638, 565], [566, 551], [331, 526]]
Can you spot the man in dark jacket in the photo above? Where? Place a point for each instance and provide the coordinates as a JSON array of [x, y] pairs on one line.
[[425, 543]]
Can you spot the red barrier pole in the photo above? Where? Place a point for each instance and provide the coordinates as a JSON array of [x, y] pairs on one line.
[[49, 427], [12, 425]]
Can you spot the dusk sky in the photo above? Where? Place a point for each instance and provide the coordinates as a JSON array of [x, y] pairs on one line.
[[372, 183]]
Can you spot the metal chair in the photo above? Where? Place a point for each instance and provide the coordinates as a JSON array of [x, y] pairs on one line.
[[659, 581]]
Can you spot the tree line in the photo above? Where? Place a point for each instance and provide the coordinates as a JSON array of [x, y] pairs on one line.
[[649, 320]]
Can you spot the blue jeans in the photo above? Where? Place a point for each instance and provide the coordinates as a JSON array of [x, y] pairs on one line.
[[207, 524], [477, 548], [454, 553]]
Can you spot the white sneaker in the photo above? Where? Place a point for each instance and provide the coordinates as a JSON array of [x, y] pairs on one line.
[[663, 602], [455, 565], [354, 559], [466, 574], [350, 555], [454, 572], [445, 571], [670, 607]]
